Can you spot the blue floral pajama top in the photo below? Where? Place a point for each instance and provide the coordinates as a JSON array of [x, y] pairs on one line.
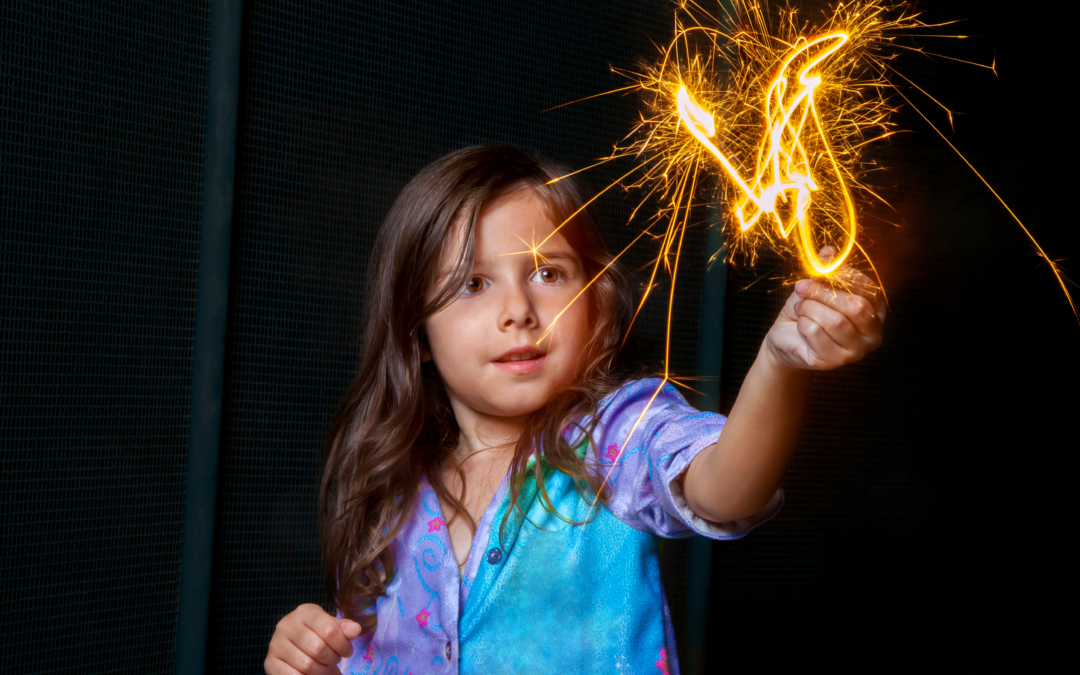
[[548, 596]]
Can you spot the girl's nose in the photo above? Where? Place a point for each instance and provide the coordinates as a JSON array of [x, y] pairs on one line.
[[518, 310]]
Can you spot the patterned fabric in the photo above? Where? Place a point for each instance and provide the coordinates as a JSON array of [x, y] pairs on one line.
[[548, 595]]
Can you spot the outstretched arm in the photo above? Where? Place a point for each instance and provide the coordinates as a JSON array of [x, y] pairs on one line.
[[820, 328]]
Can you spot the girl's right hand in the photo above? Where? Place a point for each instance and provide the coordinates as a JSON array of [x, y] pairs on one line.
[[311, 642]]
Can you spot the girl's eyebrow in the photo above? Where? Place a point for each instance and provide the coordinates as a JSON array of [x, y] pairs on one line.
[[539, 256], [557, 254]]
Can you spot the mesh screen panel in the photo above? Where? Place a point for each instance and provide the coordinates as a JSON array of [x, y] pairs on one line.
[[342, 103], [892, 553], [102, 122], [919, 518]]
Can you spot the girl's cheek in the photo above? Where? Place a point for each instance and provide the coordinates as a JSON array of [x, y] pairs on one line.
[[574, 322]]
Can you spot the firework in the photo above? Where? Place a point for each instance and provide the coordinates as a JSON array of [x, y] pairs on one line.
[[783, 108]]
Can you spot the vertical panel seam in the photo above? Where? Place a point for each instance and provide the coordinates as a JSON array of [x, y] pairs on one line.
[[211, 307]]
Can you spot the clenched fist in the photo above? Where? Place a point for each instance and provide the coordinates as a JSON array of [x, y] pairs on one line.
[[309, 641]]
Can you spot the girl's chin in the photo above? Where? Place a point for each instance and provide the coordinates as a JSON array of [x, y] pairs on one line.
[[519, 403]]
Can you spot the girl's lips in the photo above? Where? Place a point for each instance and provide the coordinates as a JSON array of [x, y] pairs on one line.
[[521, 367]]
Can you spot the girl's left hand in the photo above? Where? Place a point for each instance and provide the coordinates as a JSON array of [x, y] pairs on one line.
[[821, 327]]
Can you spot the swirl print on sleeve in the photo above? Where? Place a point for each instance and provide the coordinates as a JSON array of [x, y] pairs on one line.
[[646, 437]]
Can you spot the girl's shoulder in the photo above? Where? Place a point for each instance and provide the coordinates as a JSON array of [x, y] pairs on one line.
[[633, 403], [652, 392]]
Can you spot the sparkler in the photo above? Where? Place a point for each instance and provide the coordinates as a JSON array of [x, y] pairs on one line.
[[783, 164], [783, 109]]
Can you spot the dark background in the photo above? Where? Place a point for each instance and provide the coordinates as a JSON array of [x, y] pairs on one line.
[[926, 505], [926, 501]]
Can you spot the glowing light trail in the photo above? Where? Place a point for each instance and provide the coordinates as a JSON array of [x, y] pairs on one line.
[[783, 165], [823, 99]]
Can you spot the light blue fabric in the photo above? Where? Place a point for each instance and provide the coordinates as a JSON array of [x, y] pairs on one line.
[[562, 596], [556, 597]]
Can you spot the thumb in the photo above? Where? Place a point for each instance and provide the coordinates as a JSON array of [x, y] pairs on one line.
[[350, 628]]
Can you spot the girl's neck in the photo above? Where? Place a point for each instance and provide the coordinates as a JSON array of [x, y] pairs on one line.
[[488, 437], [482, 433]]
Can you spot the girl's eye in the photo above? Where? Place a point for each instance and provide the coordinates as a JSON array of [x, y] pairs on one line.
[[474, 285], [547, 275]]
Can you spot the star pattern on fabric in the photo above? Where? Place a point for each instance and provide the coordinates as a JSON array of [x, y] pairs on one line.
[[662, 662], [370, 653], [612, 452], [434, 524], [422, 617]]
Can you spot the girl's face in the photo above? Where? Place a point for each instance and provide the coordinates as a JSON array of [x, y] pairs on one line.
[[484, 343]]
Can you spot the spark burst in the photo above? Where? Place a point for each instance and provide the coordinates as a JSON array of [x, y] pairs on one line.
[[783, 108]]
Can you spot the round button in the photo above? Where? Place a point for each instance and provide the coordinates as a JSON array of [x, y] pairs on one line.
[[494, 556]]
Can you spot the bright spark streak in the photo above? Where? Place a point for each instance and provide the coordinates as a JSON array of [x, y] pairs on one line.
[[783, 166], [785, 108], [1053, 265], [592, 281]]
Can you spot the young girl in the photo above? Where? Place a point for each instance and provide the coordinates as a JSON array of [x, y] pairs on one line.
[[493, 493]]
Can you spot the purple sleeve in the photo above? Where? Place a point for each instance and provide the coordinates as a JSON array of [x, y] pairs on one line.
[[665, 434]]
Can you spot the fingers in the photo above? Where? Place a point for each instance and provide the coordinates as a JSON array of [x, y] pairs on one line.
[[858, 283], [835, 324], [858, 311], [824, 352], [351, 629], [275, 666], [332, 644], [285, 658], [861, 285], [296, 657], [838, 321], [850, 278], [309, 641]]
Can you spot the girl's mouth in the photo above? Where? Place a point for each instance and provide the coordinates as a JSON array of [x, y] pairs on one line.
[[520, 362]]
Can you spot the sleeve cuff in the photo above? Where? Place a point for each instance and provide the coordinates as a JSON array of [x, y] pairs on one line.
[[733, 529]]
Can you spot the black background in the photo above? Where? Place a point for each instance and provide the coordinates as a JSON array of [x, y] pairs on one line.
[[928, 502], [925, 526], [102, 121]]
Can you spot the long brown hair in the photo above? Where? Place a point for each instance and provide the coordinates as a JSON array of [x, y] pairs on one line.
[[395, 424]]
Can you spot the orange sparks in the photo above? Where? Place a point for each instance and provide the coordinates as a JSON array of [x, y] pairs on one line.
[[784, 109], [784, 170]]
